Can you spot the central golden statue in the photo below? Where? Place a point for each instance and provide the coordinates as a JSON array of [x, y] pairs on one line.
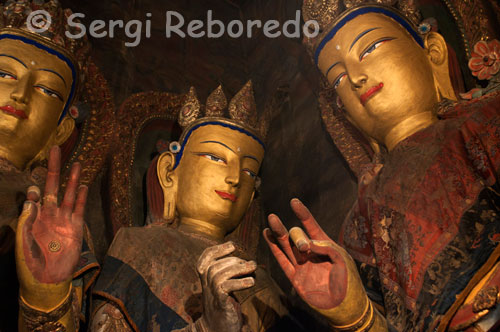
[[178, 273]]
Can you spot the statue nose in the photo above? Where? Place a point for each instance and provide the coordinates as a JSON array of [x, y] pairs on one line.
[[20, 94], [359, 82], [233, 176]]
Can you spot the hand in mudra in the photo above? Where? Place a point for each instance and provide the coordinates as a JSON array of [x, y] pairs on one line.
[[322, 272], [221, 312], [49, 236]]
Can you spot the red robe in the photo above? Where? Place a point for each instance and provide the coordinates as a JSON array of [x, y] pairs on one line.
[[427, 221]]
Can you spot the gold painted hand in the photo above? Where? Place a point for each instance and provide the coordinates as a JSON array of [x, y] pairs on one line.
[[322, 272], [49, 237]]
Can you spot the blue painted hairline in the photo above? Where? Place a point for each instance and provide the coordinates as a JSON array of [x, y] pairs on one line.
[[178, 156], [53, 52], [361, 11]]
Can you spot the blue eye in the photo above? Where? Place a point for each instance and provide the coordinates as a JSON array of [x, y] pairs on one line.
[[339, 80], [7, 76], [250, 173], [373, 47], [213, 158], [48, 92]]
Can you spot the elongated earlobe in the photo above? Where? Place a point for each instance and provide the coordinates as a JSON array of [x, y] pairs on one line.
[[168, 184], [437, 51]]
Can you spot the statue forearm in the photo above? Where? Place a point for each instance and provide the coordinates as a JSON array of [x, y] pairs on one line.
[[58, 318]]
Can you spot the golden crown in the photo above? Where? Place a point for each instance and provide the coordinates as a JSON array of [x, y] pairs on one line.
[[241, 111], [329, 12], [14, 17]]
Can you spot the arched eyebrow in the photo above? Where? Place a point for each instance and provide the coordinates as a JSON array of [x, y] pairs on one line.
[[224, 145], [252, 157], [361, 35], [55, 73], [13, 57], [331, 67]]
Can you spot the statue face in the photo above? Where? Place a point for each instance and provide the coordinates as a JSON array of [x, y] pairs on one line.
[[381, 74], [34, 88], [216, 176]]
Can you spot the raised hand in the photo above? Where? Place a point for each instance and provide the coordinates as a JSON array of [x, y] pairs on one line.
[[322, 272], [221, 312], [49, 237]]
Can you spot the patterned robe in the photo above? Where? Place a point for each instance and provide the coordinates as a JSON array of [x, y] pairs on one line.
[[426, 226], [149, 282]]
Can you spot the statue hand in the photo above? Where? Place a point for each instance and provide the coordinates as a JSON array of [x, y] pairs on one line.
[[322, 272], [49, 237], [221, 312]]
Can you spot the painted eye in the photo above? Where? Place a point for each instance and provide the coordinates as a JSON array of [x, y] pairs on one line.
[[372, 48], [339, 80], [250, 173], [7, 76], [213, 158], [48, 92]]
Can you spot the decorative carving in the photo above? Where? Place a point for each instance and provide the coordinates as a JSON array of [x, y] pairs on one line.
[[472, 21], [135, 113]]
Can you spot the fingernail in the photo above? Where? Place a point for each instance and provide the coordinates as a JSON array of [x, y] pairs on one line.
[[229, 245], [302, 245]]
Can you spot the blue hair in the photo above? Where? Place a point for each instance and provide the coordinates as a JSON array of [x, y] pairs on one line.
[[57, 54], [178, 156], [361, 11]]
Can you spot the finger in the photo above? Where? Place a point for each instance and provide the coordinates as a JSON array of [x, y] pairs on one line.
[[233, 285], [221, 264], [33, 194], [233, 271], [81, 200], [25, 225], [328, 248], [310, 224], [52, 181], [281, 234], [211, 254], [70, 194], [300, 239], [282, 259]]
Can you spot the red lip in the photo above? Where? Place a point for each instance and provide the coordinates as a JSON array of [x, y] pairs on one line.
[[11, 110], [373, 90], [226, 195]]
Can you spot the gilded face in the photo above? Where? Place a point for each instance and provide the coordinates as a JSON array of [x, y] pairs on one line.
[[34, 88], [380, 73], [216, 176]]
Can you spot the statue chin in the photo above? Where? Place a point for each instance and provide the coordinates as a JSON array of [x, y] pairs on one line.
[[34, 89]]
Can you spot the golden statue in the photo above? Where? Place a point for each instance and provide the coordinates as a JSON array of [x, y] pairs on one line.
[[419, 248], [45, 77], [175, 274]]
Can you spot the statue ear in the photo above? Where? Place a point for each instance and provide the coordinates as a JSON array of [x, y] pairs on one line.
[[63, 131], [168, 182], [58, 137], [437, 51]]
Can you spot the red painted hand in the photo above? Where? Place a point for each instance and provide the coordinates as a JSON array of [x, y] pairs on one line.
[[49, 237], [321, 271]]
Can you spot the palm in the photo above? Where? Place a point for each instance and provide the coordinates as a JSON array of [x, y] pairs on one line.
[[316, 267], [51, 235]]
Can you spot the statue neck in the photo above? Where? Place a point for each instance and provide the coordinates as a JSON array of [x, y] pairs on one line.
[[17, 161], [190, 225], [408, 127]]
